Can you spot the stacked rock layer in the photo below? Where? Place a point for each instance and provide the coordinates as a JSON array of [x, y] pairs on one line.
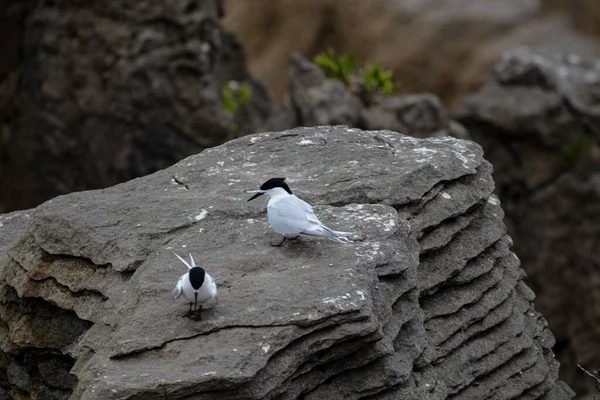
[[427, 302]]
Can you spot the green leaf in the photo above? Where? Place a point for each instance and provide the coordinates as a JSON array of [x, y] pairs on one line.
[[574, 150], [367, 81], [244, 94], [340, 67], [236, 95]]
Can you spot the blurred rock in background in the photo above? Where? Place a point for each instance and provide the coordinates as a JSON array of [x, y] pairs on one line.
[[538, 121], [446, 47], [584, 14], [316, 100], [98, 93]]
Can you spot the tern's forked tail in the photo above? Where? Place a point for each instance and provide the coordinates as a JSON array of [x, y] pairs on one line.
[[336, 236], [341, 237]]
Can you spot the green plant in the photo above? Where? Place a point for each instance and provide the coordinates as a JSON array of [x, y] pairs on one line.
[[341, 67], [236, 95], [573, 151], [378, 79], [234, 130], [366, 81]]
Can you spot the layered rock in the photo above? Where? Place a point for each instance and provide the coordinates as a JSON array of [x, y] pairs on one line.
[[538, 121], [106, 91], [427, 302]]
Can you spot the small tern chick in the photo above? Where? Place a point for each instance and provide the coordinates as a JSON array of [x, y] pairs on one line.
[[292, 216], [197, 287]]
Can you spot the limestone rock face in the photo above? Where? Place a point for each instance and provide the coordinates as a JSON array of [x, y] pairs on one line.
[[427, 302], [538, 121], [106, 91]]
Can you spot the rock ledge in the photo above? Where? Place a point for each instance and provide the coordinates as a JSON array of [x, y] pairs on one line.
[[427, 303]]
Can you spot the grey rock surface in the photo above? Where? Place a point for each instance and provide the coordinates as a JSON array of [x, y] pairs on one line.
[[538, 121], [427, 302]]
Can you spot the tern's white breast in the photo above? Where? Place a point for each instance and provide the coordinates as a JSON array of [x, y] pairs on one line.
[[207, 291]]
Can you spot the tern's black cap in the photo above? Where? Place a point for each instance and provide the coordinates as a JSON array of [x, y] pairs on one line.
[[197, 277], [275, 183]]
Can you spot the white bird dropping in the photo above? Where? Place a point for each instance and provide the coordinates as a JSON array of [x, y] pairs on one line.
[[197, 287], [291, 216]]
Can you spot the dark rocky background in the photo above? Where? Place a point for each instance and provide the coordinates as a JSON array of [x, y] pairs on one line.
[[99, 92]]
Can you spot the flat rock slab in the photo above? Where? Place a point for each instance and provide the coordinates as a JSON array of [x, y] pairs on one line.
[[305, 319]]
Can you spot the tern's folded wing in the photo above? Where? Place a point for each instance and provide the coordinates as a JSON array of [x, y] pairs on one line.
[[296, 212], [309, 213], [178, 288], [214, 297]]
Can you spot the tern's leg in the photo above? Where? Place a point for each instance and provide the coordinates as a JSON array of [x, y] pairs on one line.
[[293, 237], [198, 314], [280, 243], [189, 312]]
